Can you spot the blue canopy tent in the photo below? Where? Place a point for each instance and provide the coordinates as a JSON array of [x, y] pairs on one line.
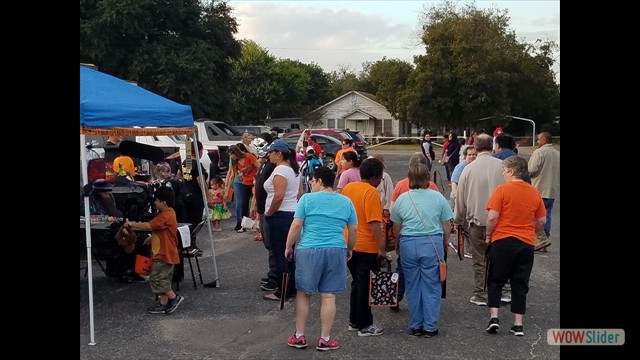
[[111, 106]]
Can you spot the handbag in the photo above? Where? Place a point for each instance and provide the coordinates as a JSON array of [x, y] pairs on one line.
[[387, 233], [383, 287], [442, 265]]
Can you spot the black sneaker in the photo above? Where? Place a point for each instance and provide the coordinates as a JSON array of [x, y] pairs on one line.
[[172, 305], [269, 287], [238, 227], [416, 332], [264, 281], [494, 325], [517, 330], [157, 309], [429, 334]]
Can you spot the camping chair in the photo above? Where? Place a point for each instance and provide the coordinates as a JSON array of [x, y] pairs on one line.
[[191, 253]]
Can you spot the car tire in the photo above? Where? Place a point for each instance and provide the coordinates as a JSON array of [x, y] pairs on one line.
[[329, 162]]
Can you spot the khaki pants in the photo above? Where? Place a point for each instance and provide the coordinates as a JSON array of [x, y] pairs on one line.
[[477, 237]]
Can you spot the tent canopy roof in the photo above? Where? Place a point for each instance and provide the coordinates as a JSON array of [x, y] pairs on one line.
[[111, 106]]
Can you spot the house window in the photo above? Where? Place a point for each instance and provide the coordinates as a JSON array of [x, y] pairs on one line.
[[331, 123], [340, 124], [388, 123], [295, 126], [377, 126]]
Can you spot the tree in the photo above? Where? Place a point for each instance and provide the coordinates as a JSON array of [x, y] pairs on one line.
[[389, 79], [256, 89], [275, 87], [474, 67], [180, 49]]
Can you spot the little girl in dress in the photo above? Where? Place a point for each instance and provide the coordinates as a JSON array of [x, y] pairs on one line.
[[219, 209]]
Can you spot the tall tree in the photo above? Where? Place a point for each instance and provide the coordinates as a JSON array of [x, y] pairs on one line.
[[266, 86], [256, 88], [389, 77], [474, 67], [180, 49]]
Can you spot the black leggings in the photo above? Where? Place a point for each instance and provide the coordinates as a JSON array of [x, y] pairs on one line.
[[247, 193]]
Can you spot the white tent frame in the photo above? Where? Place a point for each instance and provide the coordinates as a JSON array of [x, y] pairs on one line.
[[85, 180], [518, 118]]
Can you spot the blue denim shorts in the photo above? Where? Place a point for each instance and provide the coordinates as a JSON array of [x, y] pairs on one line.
[[321, 270]]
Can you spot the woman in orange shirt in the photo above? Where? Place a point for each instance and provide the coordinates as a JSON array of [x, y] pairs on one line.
[[511, 235], [246, 169]]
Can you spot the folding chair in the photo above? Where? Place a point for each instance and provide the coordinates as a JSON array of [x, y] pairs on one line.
[[191, 253]]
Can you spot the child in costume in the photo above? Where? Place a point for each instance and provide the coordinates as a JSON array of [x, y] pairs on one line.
[[219, 209]]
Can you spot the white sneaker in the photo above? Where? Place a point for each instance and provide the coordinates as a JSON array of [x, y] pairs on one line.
[[506, 298], [476, 300]]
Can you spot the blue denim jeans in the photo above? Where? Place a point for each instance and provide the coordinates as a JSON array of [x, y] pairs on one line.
[[422, 278], [238, 191], [548, 204]]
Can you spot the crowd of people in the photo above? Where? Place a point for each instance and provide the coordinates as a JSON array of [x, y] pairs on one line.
[[319, 233]]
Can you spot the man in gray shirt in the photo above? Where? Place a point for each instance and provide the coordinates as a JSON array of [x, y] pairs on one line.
[[477, 182]]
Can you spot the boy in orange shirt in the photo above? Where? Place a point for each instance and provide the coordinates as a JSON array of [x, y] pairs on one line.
[[164, 245]]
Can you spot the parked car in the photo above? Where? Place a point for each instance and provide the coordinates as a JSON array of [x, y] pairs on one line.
[[359, 142], [254, 130], [329, 144]]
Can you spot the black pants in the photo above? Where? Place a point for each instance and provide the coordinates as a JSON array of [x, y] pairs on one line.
[[194, 207], [509, 259], [359, 266], [247, 193], [279, 224]]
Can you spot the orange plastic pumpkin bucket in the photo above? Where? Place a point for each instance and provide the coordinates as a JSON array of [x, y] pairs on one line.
[[143, 265]]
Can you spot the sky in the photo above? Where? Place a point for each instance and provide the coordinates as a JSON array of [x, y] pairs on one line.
[[344, 34]]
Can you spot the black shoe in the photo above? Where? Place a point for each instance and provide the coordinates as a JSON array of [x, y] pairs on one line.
[[238, 227], [429, 334], [269, 287], [416, 332], [517, 330], [172, 305], [157, 309], [494, 325]]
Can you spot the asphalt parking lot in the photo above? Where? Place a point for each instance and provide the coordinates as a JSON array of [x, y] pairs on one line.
[[234, 322]]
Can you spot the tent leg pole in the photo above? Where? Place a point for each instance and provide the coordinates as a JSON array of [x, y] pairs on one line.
[[87, 220], [205, 214]]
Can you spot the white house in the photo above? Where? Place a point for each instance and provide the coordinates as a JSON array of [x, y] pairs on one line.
[[358, 110]]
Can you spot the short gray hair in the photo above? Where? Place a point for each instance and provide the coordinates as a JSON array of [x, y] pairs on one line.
[[518, 165]]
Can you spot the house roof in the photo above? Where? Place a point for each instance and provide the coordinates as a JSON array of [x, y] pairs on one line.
[[366, 95], [358, 111]]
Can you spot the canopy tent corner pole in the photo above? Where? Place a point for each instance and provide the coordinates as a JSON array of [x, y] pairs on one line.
[[87, 230], [205, 212]]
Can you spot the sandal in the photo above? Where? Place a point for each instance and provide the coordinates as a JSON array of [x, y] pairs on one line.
[[272, 297]]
